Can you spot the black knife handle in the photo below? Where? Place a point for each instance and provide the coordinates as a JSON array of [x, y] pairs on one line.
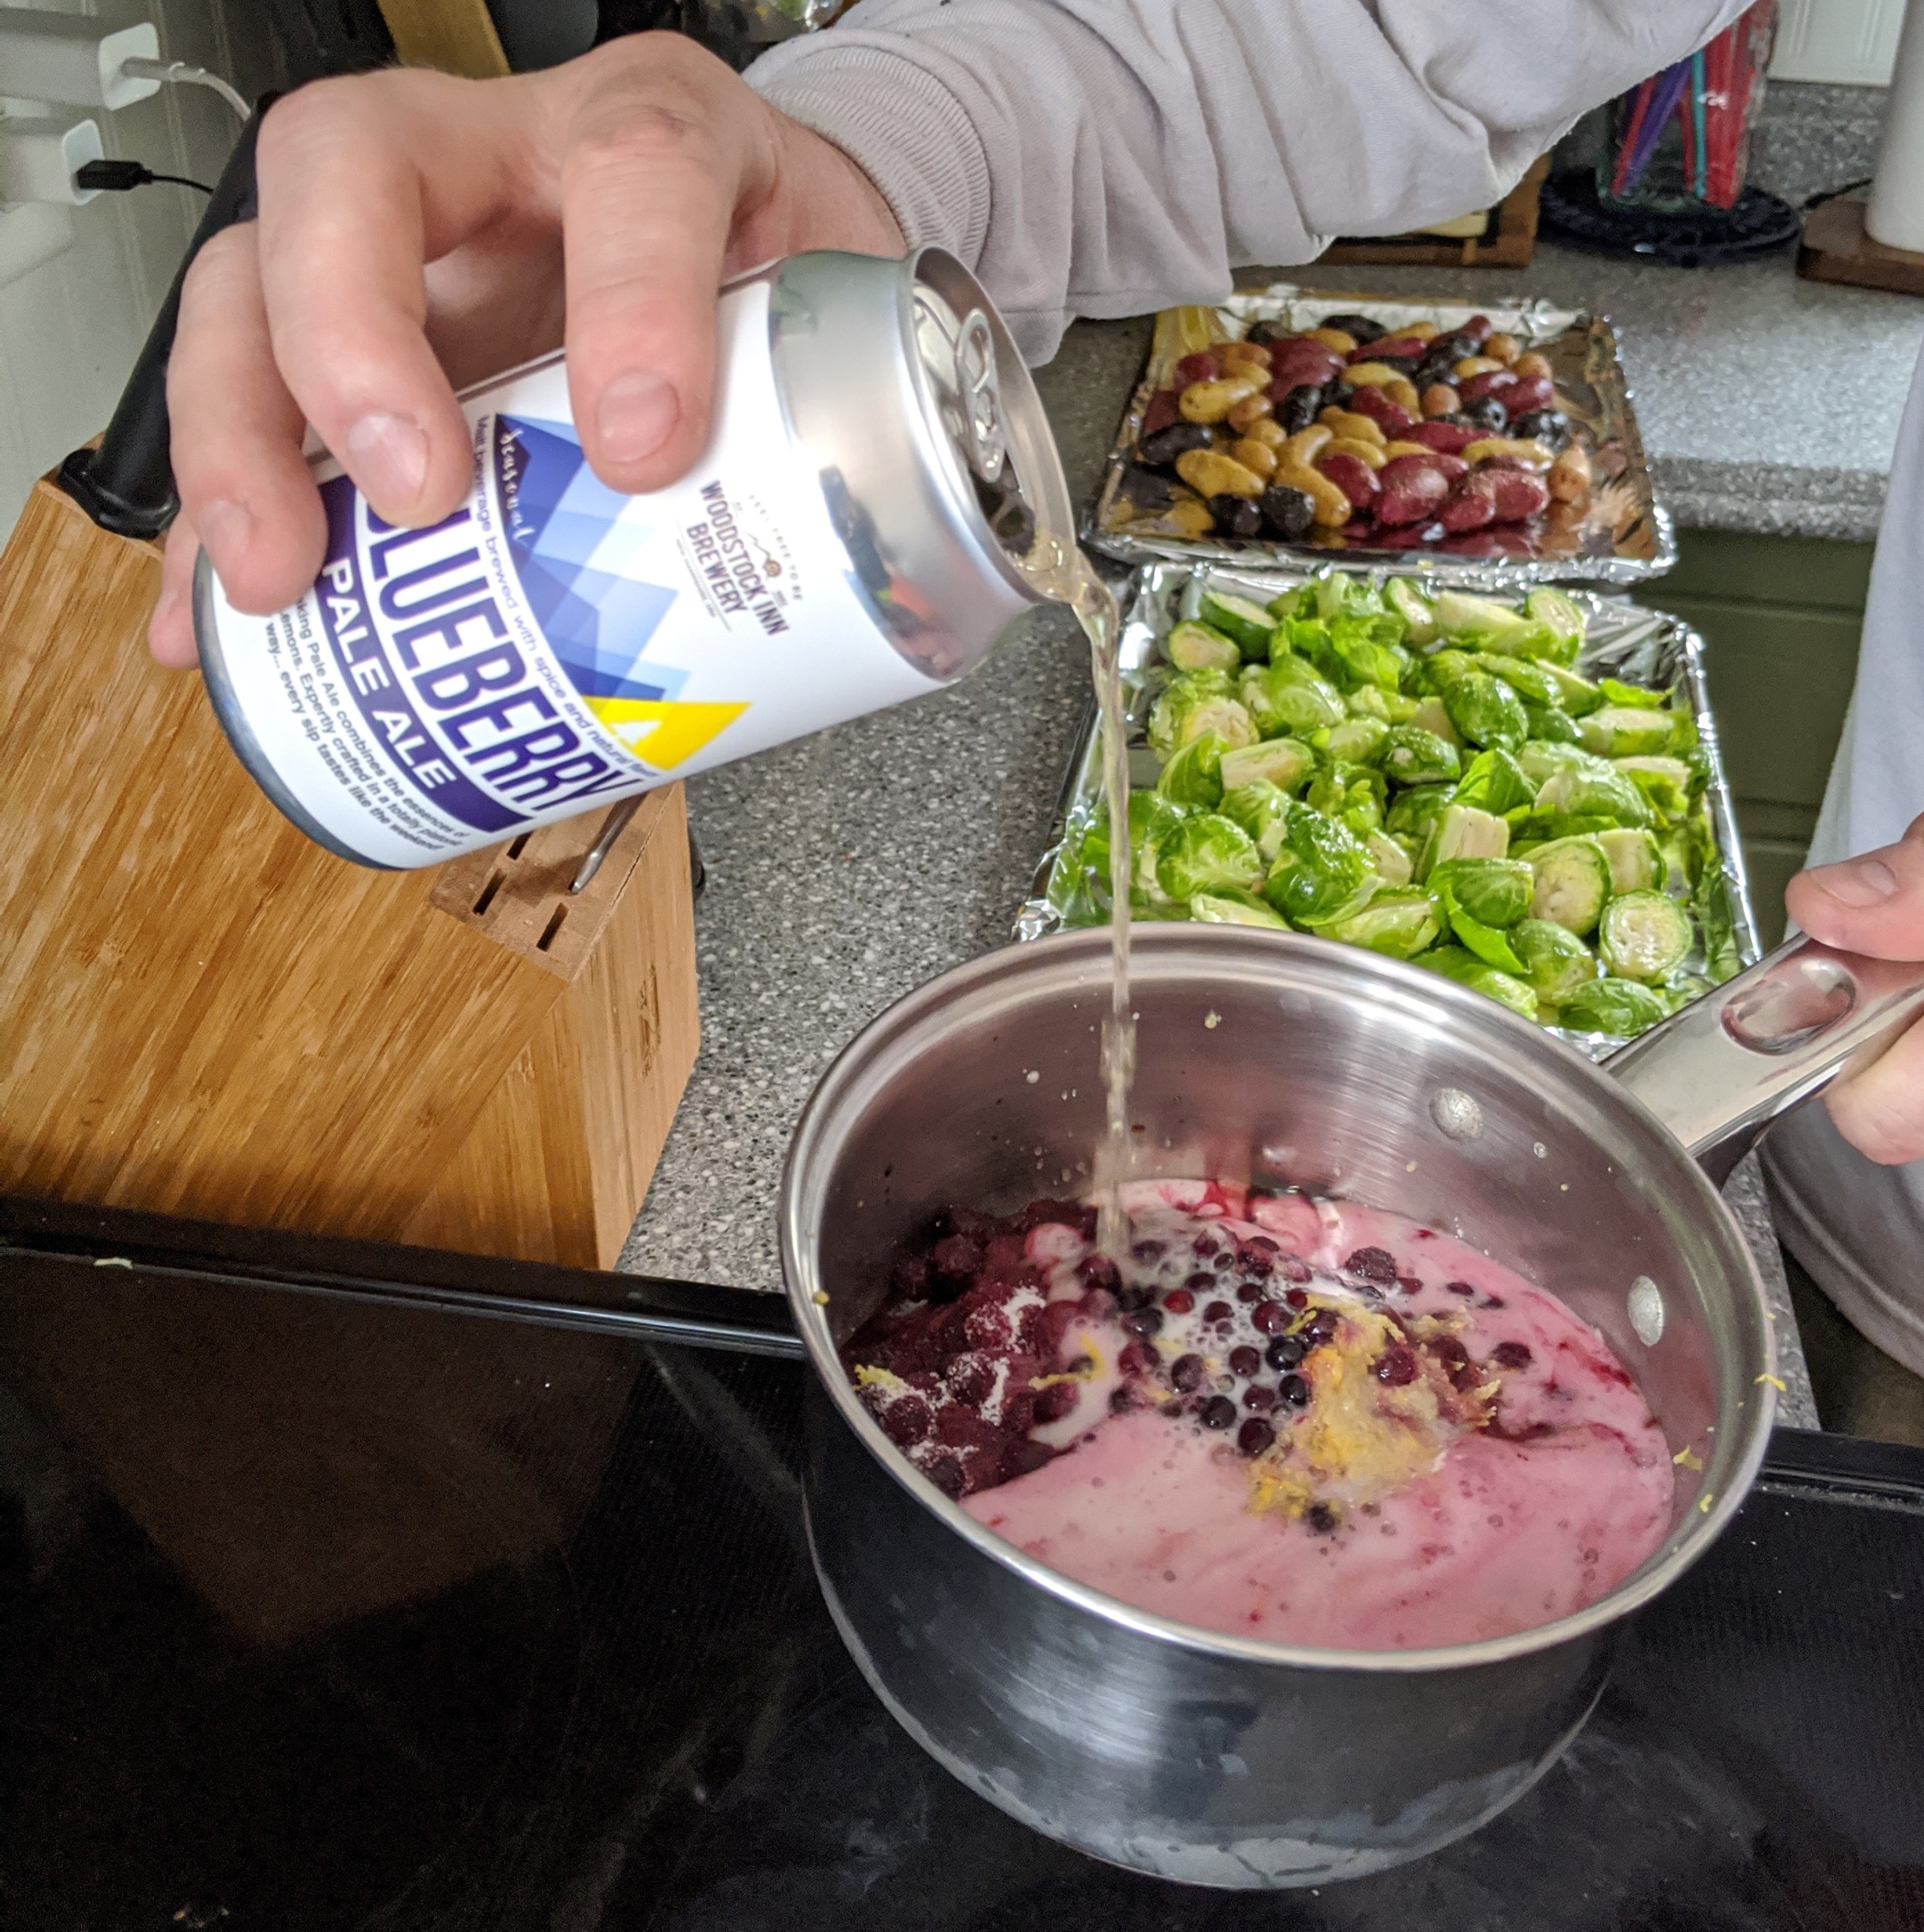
[[126, 484]]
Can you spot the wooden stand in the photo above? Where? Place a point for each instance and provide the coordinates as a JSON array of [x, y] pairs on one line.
[[202, 1013], [1836, 248], [1508, 242]]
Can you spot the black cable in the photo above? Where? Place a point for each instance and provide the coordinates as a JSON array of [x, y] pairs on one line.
[[116, 176], [1817, 201]]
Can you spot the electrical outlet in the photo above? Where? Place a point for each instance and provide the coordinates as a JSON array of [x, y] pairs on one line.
[[1851, 42]]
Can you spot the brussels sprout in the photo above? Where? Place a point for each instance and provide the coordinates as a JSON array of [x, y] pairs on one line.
[[1288, 695], [1262, 810], [1541, 683], [1247, 625], [1539, 759], [1208, 853], [1486, 711], [1610, 1006], [1678, 852], [1680, 989], [1320, 870], [1418, 613], [1605, 794], [1456, 963], [1619, 731], [1431, 716], [1573, 881], [1635, 864], [1493, 892], [1287, 762], [1712, 903], [1556, 614], [1556, 728], [1298, 603], [1634, 697], [1556, 962], [1644, 935], [1194, 776], [1197, 648], [1222, 909], [1394, 865], [1366, 701], [1666, 783], [1196, 702], [1152, 819], [1365, 650], [1494, 782], [1497, 626], [1356, 741], [1462, 831], [1351, 793], [1413, 756], [1336, 596], [1411, 812], [1399, 707], [1447, 667], [1396, 922]]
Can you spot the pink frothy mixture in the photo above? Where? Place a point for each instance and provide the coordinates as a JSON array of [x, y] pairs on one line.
[[1309, 1423]]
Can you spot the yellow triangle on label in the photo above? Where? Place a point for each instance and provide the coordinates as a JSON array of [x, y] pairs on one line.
[[661, 730]]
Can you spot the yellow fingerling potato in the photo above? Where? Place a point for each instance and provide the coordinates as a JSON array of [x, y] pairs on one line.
[[1569, 478], [1212, 402], [1532, 364], [1374, 454], [1259, 459], [1333, 508], [1210, 473], [1505, 348], [1525, 448], [1307, 444], [1478, 365], [1245, 415], [1350, 423], [1344, 345]]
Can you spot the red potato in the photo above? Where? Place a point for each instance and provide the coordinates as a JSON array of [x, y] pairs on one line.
[[1352, 476], [1473, 505], [1528, 392], [1477, 328], [1393, 348], [1450, 437], [1161, 411], [1320, 363], [1450, 468], [1498, 382], [1519, 495], [1370, 401], [1413, 494], [1203, 367]]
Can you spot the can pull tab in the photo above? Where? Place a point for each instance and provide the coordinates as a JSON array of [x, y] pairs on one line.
[[959, 354]]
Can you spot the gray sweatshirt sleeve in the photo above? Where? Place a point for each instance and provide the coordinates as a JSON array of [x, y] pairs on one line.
[[1104, 157]]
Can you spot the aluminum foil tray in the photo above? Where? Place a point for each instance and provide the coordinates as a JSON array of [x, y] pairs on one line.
[[1624, 641], [1625, 536]]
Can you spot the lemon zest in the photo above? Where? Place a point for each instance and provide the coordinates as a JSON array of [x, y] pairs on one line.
[[1776, 1382], [1688, 1458]]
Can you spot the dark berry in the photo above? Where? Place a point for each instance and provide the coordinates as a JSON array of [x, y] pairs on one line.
[[1186, 1372], [1249, 1293], [909, 1277], [1260, 1397], [1320, 1519], [1395, 1365], [1147, 1251], [1222, 1261], [1204, 1245], [971, 1377], [1218, 1312], [1218, 1412], [1055, 1401], [1245, 1359], [1144, 1322], [1020, 1456], [988, 1328], [1409, 1284], [1321, 1327], [1270, 1318], [1236, 516], [1098, 1271], [1285, 1352], [1293, 1391], [1375, 1265], [1463, 1288], [1200, 1282], [1495, 1301], [1258, 1261], [1511, 1355], [1179, 1301], [906, 1420], [1255, 1436]]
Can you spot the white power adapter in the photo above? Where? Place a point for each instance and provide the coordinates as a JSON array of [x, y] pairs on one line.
[[39, 158], [71, 58]]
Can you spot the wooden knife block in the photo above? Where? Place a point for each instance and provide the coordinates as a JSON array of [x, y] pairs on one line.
[[203, 1013]]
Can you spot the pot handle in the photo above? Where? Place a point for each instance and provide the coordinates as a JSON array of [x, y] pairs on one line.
[[1720, 1070]]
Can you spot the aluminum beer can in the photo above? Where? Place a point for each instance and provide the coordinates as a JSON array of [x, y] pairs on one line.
[[853, 536]]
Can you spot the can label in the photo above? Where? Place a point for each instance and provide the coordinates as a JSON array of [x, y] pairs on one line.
[[553, 645]]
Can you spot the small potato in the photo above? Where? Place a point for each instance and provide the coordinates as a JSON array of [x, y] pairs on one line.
[[1245, 415], [1351, 423], [1505, 348], [1259, 459], [1517, 496], [1210, 473], [1439, 399], [1360, 373], [1478, 365], [1373, 454], [1357, 481], [1400, 446], [1210, 402], [1344, 345], [1268, 431], [1569, 477], [1419, 332], [1187, 518], [1303, 447], [1402, 393], [1532, 363], [1202, 367], [1333, 505], [1533, 454], [1238, 356]]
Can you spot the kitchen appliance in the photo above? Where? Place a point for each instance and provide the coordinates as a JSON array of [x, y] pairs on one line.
[[1205, 1757]]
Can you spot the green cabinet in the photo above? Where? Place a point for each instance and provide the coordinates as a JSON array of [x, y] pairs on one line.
[[1782, 617]]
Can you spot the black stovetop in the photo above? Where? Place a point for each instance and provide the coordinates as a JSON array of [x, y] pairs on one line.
[[331, 1602]]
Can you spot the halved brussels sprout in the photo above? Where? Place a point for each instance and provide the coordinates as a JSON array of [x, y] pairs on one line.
[[1194, 776], [1418, 613], [1197, 648], [1262, 809], [1637, 697], [1557, 614], [1462, 831], [1319, 870], [1610, 1006], [1431, 716], [1208, 853], [1354, 741], [1573, 881], [1556, 728], [1604, 794], [1397, 921], [1635, 864], [1538, 681], [1195, 702], [1497, 625], [1555, 961], [1411, 755], [1412, 811], [1287, 762], [1644, 936], [1366, 651], [1666, 783], [1540, 758], [1619, 730], [1455, 962], [1366, 701], [1394, 863], [1486, 711], [1351, 793], [1493, 892], [1494, 782], [1289, 696], [1247, 625], [1225, 909], [1152, 819], [1678, 850]]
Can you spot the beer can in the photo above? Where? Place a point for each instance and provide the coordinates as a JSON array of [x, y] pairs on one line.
[[854, 535]]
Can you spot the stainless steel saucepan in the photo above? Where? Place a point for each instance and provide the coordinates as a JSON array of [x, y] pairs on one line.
[[1286, 1061]]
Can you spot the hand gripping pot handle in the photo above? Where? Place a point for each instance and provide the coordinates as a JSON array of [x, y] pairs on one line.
[[1719, 1071]]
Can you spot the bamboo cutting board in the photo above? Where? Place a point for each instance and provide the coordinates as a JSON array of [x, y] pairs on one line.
[[202, 1013]]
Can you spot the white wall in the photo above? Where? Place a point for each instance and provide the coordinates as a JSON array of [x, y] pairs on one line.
[[69, 329], [1853, 41]]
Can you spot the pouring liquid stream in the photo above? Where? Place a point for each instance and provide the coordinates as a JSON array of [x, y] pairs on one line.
[[1062, 572]]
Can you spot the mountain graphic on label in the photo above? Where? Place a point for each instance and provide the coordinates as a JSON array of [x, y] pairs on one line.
[[576, 544], [664, 732]]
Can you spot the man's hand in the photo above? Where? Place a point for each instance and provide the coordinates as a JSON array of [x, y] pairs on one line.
[[1874, 905], [418, 232]]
